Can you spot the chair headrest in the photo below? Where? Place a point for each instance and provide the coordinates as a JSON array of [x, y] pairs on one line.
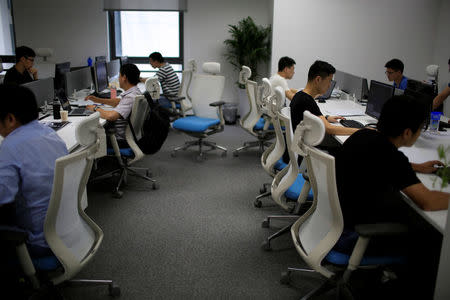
[[44, 52], [244, 74], [152, 87], [211, 67], [86, 131], [267, 87], [278, 99], [310, 131], [432, 70], [192, 65]]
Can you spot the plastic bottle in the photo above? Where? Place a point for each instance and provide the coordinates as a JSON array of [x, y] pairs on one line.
[[89, 61]]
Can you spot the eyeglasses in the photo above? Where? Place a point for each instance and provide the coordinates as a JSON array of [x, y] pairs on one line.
[[390, 72], [30, 59]]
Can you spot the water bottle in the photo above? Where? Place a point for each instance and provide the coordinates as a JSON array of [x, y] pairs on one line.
[[89, 61], [56, 109]]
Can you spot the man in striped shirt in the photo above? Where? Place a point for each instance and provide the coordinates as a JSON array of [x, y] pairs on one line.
[[169, 81]]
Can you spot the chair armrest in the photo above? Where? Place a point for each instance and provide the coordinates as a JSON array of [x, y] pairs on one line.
[[217, 103], [174, 98], [12, 234], [381, 229], [110, 129]]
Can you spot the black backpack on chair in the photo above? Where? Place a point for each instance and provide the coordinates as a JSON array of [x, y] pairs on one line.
[[156, 127]]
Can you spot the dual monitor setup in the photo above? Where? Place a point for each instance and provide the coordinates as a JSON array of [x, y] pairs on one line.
[[67, 80]]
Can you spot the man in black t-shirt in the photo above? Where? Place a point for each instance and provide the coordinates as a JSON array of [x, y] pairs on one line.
[[22, 71], [320, 75], [371, 171]]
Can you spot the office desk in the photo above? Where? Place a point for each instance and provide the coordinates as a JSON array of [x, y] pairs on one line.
[[425, 149]]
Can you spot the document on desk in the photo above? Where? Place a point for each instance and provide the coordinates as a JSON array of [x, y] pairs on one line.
[[345, 108]]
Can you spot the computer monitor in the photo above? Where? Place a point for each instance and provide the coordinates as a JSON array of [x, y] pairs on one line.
[[352, 84], [379, 93], [78, 80], [123, 60], [43, 90], [328, 92], [100, 58], [60, 70], [101, 78], [424, 92], [113, 68]]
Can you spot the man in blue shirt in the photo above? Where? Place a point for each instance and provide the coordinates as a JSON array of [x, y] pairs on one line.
[[27, 162], [394, 72]]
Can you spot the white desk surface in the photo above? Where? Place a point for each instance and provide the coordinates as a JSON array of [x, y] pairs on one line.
[[424, 149]]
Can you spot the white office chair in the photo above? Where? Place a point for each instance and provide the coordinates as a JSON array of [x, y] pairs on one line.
[[254, 122], [316, 232], [152, 87], [128, 156], [183, 92], [73, 237], [206, 92]]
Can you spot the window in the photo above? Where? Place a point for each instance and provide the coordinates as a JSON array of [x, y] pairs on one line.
[[136, 34], [7, 40]]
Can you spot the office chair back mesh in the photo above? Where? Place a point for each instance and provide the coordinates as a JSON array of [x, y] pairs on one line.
[[253, 115], [186, 80], [70, 233], [205, 89]]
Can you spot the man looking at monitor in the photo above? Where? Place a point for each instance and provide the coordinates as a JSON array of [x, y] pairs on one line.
[[23, 71], [394, 72], [128, 80], [286, 70], [27, 161]]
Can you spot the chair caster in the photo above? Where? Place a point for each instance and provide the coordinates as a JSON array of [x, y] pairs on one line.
[[285, 278], [266, 246], [265, 223], [200, 157], [235, 153], [173, 154], [155, 186], [262, 190], [114, 290], [148, 173], [257, 203], [117, 194], [224, 154]]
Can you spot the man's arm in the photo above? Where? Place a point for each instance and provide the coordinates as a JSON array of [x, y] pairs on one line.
[[426, 199], [439, 99], [110, 115], [426, 167], [112, 102], [337, 130], [290, 93]]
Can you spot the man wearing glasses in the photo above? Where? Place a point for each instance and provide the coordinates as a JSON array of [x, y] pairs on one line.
[[22, 71], [394, 72]]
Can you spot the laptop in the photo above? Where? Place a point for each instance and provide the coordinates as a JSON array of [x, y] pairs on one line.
[[65, 104], [328, 93]]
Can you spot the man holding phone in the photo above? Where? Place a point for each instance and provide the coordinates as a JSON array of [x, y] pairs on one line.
[[23, 71]]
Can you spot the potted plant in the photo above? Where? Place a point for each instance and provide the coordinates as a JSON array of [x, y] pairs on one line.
[[444, 172], [248, 45]]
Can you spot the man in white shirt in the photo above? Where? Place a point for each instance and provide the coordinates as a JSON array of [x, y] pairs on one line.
[[286, 70]]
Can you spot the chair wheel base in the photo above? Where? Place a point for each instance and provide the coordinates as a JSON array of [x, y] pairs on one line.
[[114, 290], [262, 190], [173, 154], [266, 246], [235, 153], [148, 174], [155, 186], [285, 278], [265, 224], [117, 194], [258, 204], [224, 154]]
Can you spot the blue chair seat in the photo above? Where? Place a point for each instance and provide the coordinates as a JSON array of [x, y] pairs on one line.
[[195, 124], [293, 192], [127, 152], [280, 165], [339, 258], [260, 125], [46, 263]]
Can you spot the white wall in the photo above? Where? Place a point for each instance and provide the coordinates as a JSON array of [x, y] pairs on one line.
[[206, 27], [74, 29], [78, 29], [357, 36]]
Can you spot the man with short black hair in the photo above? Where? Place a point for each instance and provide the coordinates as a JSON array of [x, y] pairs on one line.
[[320, 75], [27, 161], [394, 72], [22, 71], [286, 70], [128, 80], [167, 77], [371, 170]]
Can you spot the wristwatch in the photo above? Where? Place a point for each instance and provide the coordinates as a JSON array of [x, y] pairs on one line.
[[326, 117], [95, 108]]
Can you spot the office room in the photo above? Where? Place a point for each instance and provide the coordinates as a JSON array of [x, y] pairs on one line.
[[198, 234]]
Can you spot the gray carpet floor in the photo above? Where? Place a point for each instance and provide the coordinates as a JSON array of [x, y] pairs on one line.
[[197, 237]]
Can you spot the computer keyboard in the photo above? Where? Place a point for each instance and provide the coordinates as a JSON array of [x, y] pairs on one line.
[[351, 123]]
